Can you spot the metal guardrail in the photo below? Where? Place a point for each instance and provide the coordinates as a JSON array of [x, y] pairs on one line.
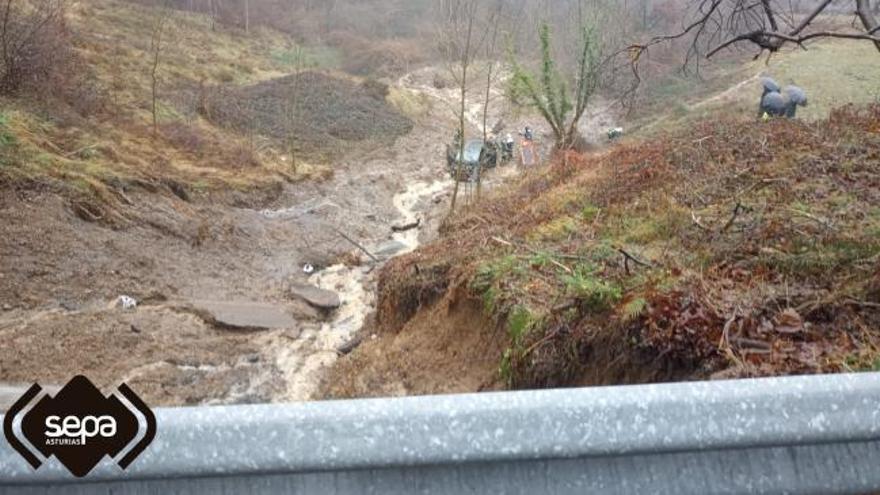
[[817, 434]]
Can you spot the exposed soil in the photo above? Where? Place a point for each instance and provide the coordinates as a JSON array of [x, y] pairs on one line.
[[182, 255], [450, 347], [327, 114], [61, 275]]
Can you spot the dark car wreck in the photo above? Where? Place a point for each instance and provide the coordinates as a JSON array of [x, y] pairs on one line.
[[478, 155]]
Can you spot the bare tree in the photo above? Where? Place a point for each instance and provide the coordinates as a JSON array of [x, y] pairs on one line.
[[212, 5], [715, 25], [292, 103], [158, 33], [247, 16], [493, 22], [459, 45], [33, 42]]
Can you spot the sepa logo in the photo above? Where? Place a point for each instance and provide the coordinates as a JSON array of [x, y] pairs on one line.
[[79, 426], [75, 431]]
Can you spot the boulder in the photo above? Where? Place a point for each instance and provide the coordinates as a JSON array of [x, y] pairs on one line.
[[244, 315], [316, 296], [389, 249]]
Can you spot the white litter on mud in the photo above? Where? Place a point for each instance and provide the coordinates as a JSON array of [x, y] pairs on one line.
[[125, 302]]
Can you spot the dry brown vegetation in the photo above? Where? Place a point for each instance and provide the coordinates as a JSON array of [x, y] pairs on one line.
[[96, 104], [35, 50], [338, 114], [734, 249]]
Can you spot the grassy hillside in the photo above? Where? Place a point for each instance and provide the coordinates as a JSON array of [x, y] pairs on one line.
[[732, 248], [832, 72], [113, 139], [102, 139]]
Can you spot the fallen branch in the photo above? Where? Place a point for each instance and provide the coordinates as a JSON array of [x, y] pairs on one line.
[[820, 221], [85, 214], [78, 151], [753, 345], [724, 342], [550, 254], [862, 304], [700, 141], [696, 221], [407, 226], [560, 265], [501, 241], [736, 210], [563, 307], [628, 257], [546, 338], [119, 192], [356, 244]]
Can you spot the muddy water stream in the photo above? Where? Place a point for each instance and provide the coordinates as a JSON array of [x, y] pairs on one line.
[[302, 359], [406, 203]]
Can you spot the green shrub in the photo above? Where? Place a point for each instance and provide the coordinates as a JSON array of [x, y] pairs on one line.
[[489, 272], [589, 212], [633, 309], [7, 138], [519, 322], [598, 294]]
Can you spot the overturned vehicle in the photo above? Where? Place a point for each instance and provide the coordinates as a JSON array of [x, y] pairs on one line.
[[478, 155]]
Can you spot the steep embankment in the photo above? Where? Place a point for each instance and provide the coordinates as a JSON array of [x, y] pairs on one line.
[[733, 249]]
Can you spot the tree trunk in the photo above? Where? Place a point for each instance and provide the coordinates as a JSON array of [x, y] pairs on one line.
[[154, 81], [465, 62], [489, 70], [154, 86], [247, 16]]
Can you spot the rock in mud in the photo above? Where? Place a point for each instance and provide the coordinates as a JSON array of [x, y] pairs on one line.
[[349, 346], [317, 297], [389, 249], [408, 226], [244, 315]]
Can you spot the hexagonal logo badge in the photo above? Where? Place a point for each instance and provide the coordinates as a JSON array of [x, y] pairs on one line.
[[79, 426]]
